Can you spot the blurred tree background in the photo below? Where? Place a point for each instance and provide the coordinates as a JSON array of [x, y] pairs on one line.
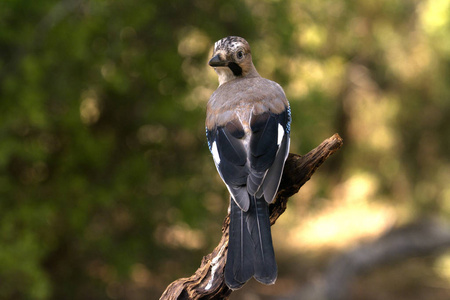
[[107, 188]]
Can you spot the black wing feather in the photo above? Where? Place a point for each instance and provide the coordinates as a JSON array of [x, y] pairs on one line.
[[263, 144], [230, 148], [273, 176], [265, 150], [233, 157]]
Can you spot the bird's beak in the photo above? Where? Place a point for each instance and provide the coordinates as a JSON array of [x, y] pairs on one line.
[[216, 61]]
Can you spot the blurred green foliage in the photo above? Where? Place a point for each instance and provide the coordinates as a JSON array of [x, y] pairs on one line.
[[107, 189]]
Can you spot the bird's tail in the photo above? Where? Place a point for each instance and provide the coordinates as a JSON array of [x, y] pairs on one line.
[[250, 249]]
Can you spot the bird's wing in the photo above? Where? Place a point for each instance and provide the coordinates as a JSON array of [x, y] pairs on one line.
[[251, 165], [268, 148], [230, 156]]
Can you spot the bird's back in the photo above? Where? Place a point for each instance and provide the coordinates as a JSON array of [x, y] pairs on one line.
[[254, 95]]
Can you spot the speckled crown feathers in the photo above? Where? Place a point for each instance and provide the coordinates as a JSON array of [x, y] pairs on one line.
[[231, 42]]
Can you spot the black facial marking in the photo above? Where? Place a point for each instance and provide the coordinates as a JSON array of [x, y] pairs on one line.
[[234, 67]]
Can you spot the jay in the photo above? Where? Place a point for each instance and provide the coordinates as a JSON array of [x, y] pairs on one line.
[[247, 128]]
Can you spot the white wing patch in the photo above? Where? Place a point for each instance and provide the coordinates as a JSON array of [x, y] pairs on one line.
[[280, 134], [215, 153]]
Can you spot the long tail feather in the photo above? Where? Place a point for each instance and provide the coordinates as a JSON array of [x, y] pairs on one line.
[[240, 259], [250, 249], [259, 227]]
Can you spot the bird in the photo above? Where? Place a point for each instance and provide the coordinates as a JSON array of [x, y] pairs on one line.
[[248, 121]]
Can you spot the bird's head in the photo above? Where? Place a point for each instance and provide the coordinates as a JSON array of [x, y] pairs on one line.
[[232, 59]]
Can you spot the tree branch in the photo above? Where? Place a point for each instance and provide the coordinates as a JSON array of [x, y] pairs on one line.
[[208, 281]]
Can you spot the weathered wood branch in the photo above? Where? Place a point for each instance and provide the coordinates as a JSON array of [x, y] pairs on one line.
[[208, 281]]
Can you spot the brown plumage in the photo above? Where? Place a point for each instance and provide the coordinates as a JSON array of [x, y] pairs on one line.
[[241, 95], [247, 126]]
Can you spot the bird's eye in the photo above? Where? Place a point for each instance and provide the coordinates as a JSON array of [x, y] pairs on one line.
[[240, 55]]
